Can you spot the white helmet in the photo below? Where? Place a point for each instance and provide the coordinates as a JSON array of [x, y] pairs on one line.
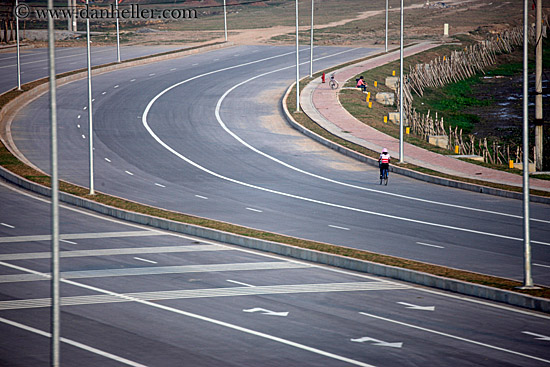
[[384, 150]]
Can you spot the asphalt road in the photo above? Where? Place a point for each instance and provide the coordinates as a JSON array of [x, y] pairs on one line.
[[135, 296], [205, 135], [34, 61]]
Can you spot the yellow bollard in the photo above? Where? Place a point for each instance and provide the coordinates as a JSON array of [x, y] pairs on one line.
[[370, 104], [407, 130], [456, 149], [393, 73], [368, 96], [511, 163], [375, 83], [386, 119]]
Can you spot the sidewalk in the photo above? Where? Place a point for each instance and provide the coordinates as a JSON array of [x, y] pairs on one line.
[[321, 104]]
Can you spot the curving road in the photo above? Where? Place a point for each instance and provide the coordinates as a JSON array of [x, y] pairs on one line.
[[205, 135]]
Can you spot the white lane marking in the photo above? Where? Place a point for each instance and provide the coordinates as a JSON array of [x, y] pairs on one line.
[[216, 60], [152, 74], [254, 210], [108, 160], [7, 225], [104, 93], [513, 310], [159, 185], [78, 126], [241, 283], [202, 318], [201, 197], [93, 99], [194, 64], [130, 173], [70, 242], [427, 244], [544, 266], [116, 86], [236, 55], [145, 260], [338, 227], [455, 337], [78, 116], [79, 236], [173, 69], [72, 342], [85, 108], [537, 336], [132, 80], [83, 136], [222, 124]]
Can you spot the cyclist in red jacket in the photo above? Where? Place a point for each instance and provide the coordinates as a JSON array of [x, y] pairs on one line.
[[384, 161]]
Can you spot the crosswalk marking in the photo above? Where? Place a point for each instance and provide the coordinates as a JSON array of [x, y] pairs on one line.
[[205, 293], [156, 270], [115, 251]]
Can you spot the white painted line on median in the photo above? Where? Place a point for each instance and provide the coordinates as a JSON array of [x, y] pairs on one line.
[[130, 173], [7, 225], [201, 197], [108, 160], [544, 266], [241, 283], [202, 318], [427, 244], [338, 227], [455, 337], [70, 242], [72, 342], [159, 185], [254, 210], [145, 260]]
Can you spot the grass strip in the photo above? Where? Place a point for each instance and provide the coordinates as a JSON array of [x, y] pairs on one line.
[[14, 165]]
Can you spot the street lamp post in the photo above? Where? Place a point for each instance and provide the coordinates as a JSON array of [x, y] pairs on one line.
[[401, 81], [18, 52], [386, 44], [311, 44], [297, 64], [90, 120], [225, 20], [117, 34]]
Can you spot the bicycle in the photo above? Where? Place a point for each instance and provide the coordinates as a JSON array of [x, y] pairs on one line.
[[333, 83], [384, 177]]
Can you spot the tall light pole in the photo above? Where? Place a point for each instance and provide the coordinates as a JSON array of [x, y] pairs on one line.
[[18, 52], [527, 279], [117, 34], [90, 121], [225, 20], [55, 307], [386, 26], [297, 64], [311, 44], [401, 81], [539, 157]]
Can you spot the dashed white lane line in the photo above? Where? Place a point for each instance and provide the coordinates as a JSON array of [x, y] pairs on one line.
[[152, 74], [255, 210], [83, 136], [78, 126], [201, 197], [116, 86], [241, 283], [93, 99], [544, 266], [85, 108], [338, 227], [173, 69], [194, 64], [104, 93], [159, 185], [130, 173], [69, 242], [145, 260], [427, 244], [108, 160], [78, 116], [132, 80], [7, 225]]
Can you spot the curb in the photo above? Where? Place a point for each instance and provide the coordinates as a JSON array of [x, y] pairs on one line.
[[411, 276], [403, 171]]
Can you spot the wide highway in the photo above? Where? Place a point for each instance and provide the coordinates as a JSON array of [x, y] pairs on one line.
[[134, 296], [205, 135]]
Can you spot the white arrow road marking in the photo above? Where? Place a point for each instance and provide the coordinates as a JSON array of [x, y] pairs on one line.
[[538, 336], [377, 342], [266, 312], [416, 307]]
